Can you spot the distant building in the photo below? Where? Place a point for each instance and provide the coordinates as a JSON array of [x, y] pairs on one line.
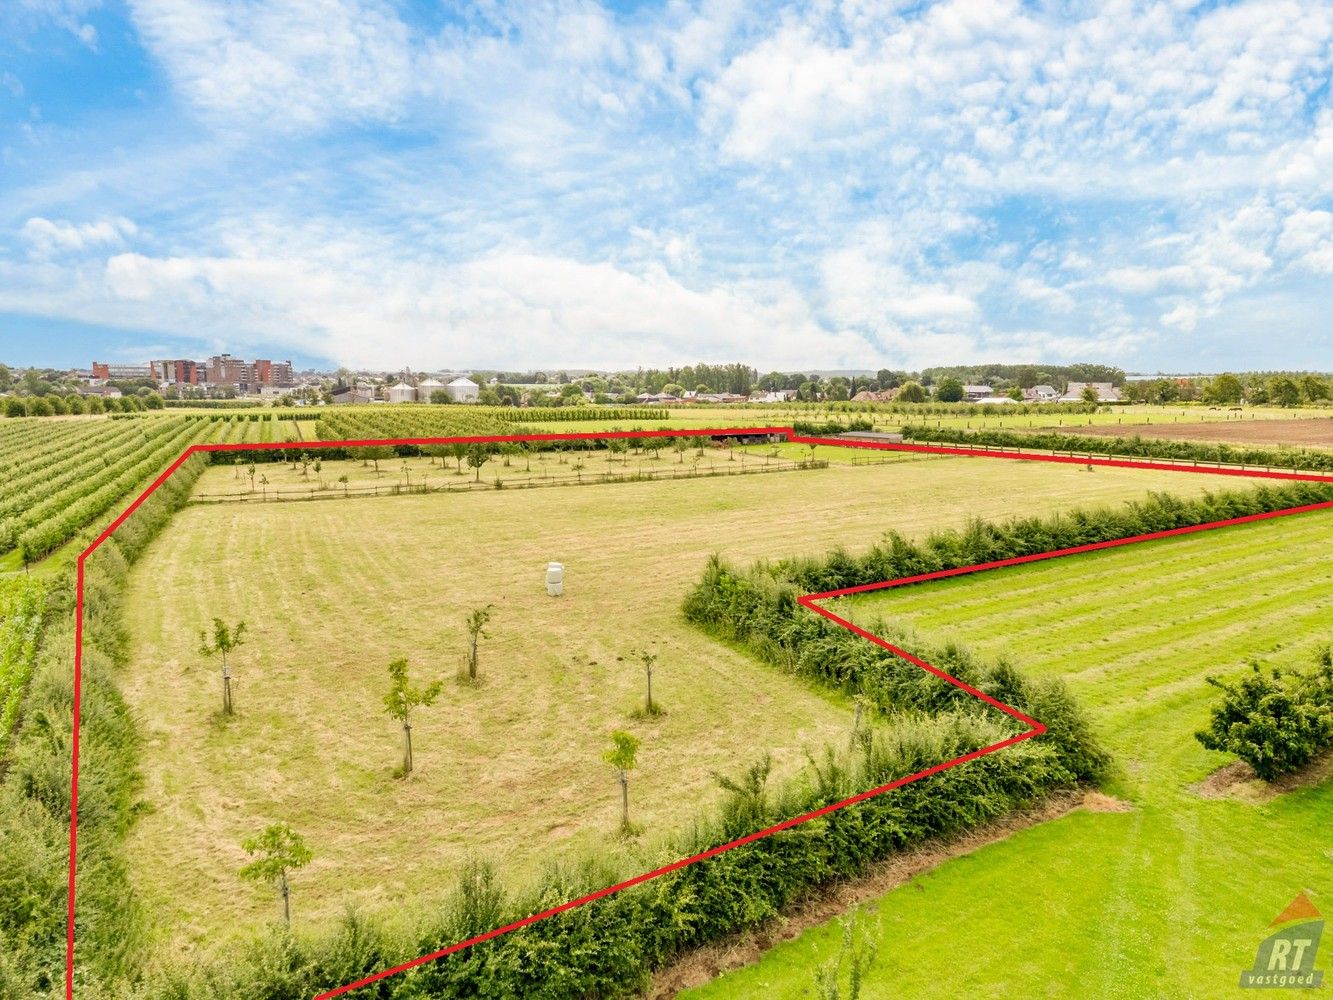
[[993, 400], [972, 393], [463, 390], [223, 369], [1040, 394], [265, 372], [179, 372], [1106, 392], [105, 391], [402, 393], [774, 396], [105, 370], [347, 395], [427, 387], [873, 396]]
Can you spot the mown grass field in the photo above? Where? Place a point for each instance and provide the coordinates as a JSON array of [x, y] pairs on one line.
[[1171, 898], [511, 769]]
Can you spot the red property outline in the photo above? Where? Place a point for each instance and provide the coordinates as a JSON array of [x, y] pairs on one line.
[[809, 601]]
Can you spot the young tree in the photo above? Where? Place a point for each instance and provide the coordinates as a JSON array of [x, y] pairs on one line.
[[649, 660], [458, 452], [623, 757], [225, 641], [476, 629], [477, 456], [280, 850], [377, 452], [1089, 394], [858, 954], [401, 698]]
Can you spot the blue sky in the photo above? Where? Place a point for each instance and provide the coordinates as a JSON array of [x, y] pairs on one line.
[[835, 184]]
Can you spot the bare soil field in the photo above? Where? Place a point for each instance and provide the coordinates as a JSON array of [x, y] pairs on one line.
[[1312, 432]]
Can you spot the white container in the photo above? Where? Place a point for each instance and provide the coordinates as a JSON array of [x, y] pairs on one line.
[[555, 579]]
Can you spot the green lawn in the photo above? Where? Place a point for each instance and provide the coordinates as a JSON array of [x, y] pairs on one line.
[[1169, 899], [333, 591]]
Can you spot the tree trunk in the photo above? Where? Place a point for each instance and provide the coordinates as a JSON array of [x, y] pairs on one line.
[[286, 899], [226, 687], [472, 661], [650, 690], [624, 800], [407, 748]]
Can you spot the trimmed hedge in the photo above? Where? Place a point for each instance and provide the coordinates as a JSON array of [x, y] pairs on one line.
[[1136, 447]]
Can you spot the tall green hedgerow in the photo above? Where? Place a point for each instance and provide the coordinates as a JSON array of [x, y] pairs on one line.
[[35, 793]]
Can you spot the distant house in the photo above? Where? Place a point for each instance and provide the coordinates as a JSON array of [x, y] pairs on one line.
[[463, 390], [105, 391], [972, 393], [348, 396], [1106, 392], [1040, 394], [719, 397], [872, 396], [657, 397], [774, 396], [993, 400]]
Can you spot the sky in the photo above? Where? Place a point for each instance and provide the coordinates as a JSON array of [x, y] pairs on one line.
[[831, 185]]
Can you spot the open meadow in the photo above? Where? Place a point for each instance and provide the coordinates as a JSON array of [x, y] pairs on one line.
[[1168, 896], [511, 768]]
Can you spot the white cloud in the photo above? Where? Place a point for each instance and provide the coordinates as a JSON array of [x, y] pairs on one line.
[[1307, 238], [285, 64], [45, 236]]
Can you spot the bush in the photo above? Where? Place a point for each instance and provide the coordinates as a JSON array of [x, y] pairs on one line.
[[1276, 722]]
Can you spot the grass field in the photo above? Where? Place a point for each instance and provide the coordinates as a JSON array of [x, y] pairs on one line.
[[1169, 899], [333, 591]]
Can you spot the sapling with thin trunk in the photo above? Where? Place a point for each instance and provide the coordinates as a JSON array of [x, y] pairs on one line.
[[225, 640], [476, 630], [401, 698], [280, 850], [623, 756]]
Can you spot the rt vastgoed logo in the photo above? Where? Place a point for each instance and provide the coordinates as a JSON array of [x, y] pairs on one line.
[[1286, 957]]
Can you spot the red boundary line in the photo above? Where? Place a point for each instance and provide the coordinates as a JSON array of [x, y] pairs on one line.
[[809, 601]]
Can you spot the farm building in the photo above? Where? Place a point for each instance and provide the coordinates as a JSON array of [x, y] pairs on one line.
[[972, 393], [347, 395], [428, 386], [402, 393], [1040, 394], [1106, 392], [463, 390]]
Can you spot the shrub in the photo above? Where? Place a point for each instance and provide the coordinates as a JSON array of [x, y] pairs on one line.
[[1274, 721]]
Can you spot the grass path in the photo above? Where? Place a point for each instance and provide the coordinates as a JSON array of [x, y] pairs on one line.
[[1171, 898]]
